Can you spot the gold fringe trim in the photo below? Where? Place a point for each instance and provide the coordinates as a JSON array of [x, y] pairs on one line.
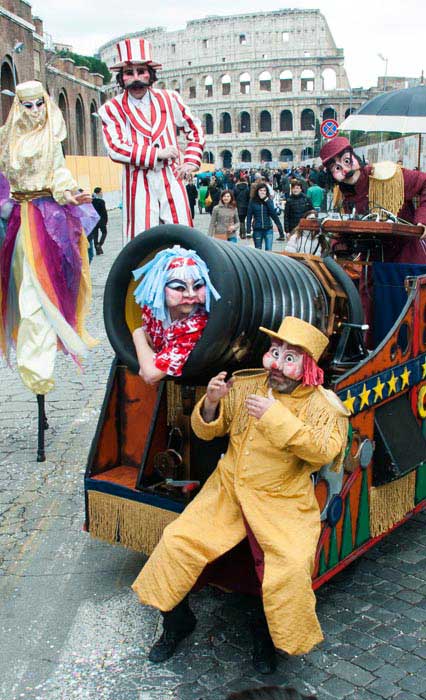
[[323, 420], [337, 201], [246, 381], [388, 194], [390, 503], [123, 521], [174, 401]]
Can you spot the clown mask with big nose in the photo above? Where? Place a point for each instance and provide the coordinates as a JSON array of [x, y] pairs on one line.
[[284, 363], [345, 168]]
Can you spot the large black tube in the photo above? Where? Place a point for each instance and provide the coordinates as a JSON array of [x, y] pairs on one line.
[[256, 288]]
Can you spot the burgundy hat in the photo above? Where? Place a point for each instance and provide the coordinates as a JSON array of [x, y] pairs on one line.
[[333, 147]]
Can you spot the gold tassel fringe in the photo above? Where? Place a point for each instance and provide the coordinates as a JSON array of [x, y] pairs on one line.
[[130, 523], [323, 421], [174, 401], [388, 194], [390, 503], [246, 381]]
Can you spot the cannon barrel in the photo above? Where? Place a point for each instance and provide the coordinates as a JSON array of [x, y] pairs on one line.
[[256, 288]]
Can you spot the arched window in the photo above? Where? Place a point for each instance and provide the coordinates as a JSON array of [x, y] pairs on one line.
[[80, 127], [226, 159], [307, 81], [307, 152], [349, 111], [161, 84], [225, 125], [6, 80], [245, 123], [286, 81], [286, 155], [191, 89], [286, 120], [63, 106], [245, 156], [94, 128], [174, 85], [329, 113], [265, 121], [208, 86], [329, 79], [265, 155], [208, 123], [226, 84], [245, 83], [307, 120], [265, 81], [208, 157]]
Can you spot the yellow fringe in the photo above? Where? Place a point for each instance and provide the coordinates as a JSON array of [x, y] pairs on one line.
[[123, 521], [337, 200], [246, 381], [323, 421], [388, 194], [390, 503], [174, 400]]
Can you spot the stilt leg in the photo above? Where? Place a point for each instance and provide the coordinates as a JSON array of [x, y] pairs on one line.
[[41, 456]]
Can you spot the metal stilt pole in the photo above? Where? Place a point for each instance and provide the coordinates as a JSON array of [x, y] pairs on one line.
[[42, 426]]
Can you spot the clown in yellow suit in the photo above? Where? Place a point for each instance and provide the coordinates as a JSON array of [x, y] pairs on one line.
[[283, 426]]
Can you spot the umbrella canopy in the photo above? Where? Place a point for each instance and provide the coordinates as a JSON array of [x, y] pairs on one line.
[[403, 111]]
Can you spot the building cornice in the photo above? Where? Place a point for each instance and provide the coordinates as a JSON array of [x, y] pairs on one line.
[[72, 78], [17, 20]]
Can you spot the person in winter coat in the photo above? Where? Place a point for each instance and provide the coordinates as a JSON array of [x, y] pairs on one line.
[[283, 426], [202, 194], [297, 204], [214, 192], [242, 198], [261, 212], [224, 221], [192, 194]]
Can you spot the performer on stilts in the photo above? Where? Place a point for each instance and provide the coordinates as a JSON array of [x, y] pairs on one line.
[[45, 288], [139, 128]]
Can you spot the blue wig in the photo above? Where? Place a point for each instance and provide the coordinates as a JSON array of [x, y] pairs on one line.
[[150, 292]]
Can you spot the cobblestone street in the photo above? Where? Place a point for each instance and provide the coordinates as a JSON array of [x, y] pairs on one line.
[[72, 629]]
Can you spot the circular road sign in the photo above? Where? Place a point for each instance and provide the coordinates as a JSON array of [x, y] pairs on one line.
[[329, 128]]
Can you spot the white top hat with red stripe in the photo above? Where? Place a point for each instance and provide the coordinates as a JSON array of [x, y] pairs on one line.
[[134, 51]]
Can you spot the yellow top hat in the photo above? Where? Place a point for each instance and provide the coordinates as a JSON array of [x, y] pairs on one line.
[[31, 90], [297, 332]]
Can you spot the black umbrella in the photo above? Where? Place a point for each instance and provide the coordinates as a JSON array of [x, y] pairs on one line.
[[402, 111]]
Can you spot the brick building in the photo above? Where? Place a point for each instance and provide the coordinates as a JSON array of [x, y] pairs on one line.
[[77, 91]]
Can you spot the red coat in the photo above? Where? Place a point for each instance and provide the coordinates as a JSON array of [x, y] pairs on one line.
[[403, 250]]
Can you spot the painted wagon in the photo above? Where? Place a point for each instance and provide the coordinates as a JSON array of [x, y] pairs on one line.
[[145, 463]]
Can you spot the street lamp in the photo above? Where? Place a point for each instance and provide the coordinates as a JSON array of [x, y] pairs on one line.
[[383, 58]]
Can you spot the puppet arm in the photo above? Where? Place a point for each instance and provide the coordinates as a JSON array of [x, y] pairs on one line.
[[146, 358]]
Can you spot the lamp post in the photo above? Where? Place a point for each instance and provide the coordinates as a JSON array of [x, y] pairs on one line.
[[383, 58]]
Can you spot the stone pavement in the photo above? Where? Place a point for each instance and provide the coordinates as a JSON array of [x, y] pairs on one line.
[[71, 629]]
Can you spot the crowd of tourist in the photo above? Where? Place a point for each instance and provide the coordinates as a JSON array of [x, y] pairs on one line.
[[258, 198]]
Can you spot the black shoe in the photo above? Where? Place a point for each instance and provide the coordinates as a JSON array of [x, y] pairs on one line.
[[281, 238], [99, 250], [166, 646], [264, 658]]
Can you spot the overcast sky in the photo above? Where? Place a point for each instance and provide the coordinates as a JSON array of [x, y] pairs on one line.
[[362, 28]]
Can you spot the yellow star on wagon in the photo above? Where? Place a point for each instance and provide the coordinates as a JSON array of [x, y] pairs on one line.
[[392, 384], [364, 396], [349, 401], [405, 376], [424, 370], [378, 390]]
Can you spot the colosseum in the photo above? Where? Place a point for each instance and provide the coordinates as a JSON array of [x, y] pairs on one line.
[[261, 83]]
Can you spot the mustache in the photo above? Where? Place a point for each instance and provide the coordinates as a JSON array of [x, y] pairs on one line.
[[349, 174], [137, 84]]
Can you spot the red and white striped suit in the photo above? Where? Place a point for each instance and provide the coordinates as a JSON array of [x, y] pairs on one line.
[[151, 190]]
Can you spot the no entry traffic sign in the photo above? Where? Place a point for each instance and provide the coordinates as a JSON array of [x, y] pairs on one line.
[[329, 128]]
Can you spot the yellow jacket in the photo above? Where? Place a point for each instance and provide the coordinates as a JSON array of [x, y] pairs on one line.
[[265, 475]]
